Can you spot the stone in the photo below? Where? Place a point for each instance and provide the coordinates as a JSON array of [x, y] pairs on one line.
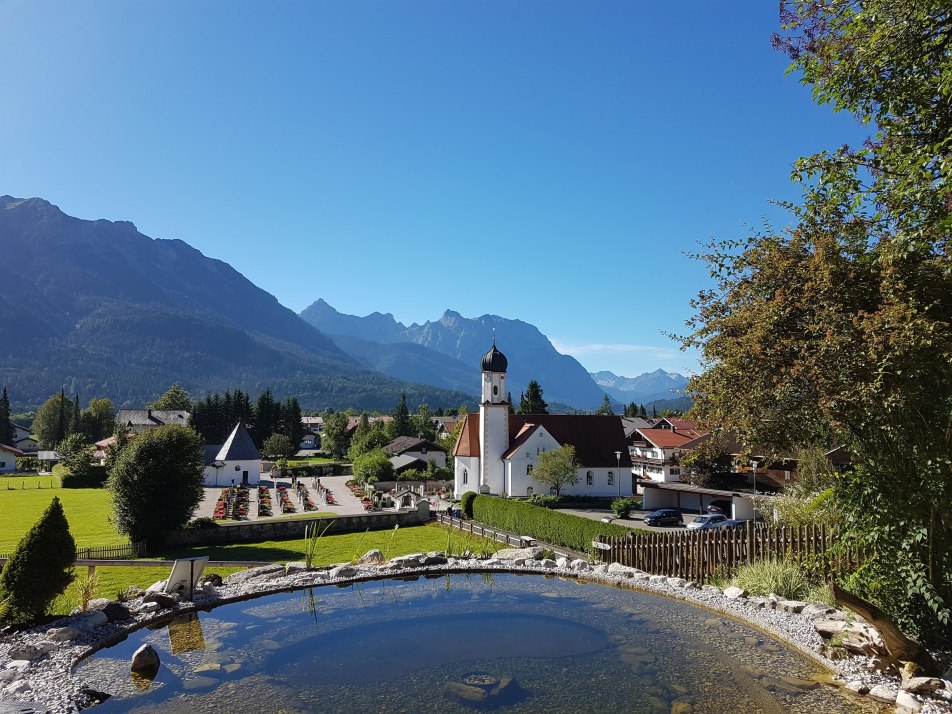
[[199, 682], [757, 601], [908, 701], [734, 593], [133, 591], [434, 559], [618, 569], [116, 612], [295, 566], [31, 651], [21, 686], [817, 610], [371, 557], [801, 683], [883, 693], [794, 607], [262, 572], [96, 603], [829, 628], [208, 667], [209, 589], [711, 589], [676, 582], [232, 667], [63, 634], [18, 664], [532, 553], [343, 571], [857, 686], [145, 659], [213, 578], [580, 566], [681, 708], [466, 693], [159, 587], [162, 599], [923, 685], [149, 607]]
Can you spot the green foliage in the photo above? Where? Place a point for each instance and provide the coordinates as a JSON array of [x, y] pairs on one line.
[[54, 420], [95, 476], [606, 407], [544, 499], [557, 468], [6, 424], [39, 569], [531, 401], [559, 529], [422, 424], [200, 524], [98, 420], [783, 577], [174, 398], [334, 438], [367, 437], [277, 446], [401, 425], [372, 467], [622, 507], [466, 503], [77, 455], [838, 329], [27, 463], [156, 483]]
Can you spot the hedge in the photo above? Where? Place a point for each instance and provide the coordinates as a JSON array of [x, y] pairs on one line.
[[95, 478], [559, 529]]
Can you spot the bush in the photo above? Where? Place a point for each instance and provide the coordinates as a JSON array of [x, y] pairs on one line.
[[466, 503], [40, 568], [622, 507], [200, 524], [27, 463], [783, 577], [94, 477], [559, 529], [544, 500]]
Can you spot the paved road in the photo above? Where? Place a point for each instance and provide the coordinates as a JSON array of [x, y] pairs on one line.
[[636, 520]]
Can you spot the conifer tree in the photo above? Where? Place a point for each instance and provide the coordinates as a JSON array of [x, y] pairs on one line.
[[7, 434]]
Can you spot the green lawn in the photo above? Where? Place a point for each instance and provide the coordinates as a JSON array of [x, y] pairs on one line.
[[88, 510]]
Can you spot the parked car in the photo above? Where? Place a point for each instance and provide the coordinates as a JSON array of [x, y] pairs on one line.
[[720, 506], [664, 517], [712, 520], [732, 523]]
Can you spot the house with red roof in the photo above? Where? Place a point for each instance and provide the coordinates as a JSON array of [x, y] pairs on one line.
[[496, 452]]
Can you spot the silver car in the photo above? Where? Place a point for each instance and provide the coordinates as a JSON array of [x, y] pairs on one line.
[[711, 520]]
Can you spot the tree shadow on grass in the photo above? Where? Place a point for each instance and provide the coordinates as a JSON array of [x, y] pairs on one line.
[[235, 552]]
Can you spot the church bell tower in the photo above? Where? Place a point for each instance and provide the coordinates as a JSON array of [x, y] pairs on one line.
[[493, 422]]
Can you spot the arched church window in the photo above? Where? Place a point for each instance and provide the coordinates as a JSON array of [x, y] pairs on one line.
[[465, 476], [611, 479], [589, 478]]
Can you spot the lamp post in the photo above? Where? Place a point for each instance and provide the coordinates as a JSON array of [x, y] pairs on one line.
[[618, 471], [754, 463]]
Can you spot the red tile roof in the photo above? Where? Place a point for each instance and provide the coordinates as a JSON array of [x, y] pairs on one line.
[[667, 438]]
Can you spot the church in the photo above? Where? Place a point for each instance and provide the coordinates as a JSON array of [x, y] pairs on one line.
[[496, 451]]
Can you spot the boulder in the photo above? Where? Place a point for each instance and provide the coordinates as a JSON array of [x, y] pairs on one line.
[[857, 686], [262, 572], [884, 693], [532, 553], [562, 562], [91, 620], [734, 593], [818, 611], [134, 591], [116, 612], [213, 578], [908, 701], [161, 599], [657, 579], [97, 603], [145, 660], [466, 693], [31, 651], [830, 628], [923, 685], [371, 557], [548, 564], [794, 607], [434, 559], [676, 582], [580, 566], [295, 566], [620, 570], [149, 607], [343, 571], [601, 568], [63, 634], [158, 587]]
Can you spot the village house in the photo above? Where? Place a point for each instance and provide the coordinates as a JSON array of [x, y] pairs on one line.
[[8, 458], [416, 448], [496, 451], [139, 421]]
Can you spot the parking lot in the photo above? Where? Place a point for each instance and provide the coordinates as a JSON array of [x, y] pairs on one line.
[[635, 520]]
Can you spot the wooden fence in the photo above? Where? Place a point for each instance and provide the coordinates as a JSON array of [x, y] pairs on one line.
[[106, 552], [696, 555]]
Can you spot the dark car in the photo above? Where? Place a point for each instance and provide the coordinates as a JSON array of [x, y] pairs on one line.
[[664, 517], [720, 506]]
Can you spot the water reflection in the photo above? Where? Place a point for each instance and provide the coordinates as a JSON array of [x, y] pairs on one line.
[[519, 644]]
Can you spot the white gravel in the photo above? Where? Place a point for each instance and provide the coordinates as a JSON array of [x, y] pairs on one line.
[[50, 682]]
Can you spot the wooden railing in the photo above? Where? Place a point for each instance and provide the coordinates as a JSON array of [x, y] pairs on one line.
[[696, 555], [106, 552]]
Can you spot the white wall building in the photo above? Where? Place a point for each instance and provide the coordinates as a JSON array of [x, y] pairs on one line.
[[496, 451], [235, 462]]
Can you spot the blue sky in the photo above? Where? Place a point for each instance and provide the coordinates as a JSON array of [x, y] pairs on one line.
[[547, 161]]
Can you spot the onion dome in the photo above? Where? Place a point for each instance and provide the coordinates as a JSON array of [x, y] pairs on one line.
[[494, 360]]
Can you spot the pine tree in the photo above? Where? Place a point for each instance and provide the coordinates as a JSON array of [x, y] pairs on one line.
[[606, 407], [401, 424], [531, 402], [7, 434], [265, 421], [40, 568]]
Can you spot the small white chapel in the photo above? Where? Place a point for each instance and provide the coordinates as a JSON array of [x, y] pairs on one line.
[[496, 451]]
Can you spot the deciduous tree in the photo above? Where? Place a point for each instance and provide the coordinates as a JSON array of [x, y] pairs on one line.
[[557, 468], [174, 398]]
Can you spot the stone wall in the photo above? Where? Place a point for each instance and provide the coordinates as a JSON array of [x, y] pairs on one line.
[[293, 529]]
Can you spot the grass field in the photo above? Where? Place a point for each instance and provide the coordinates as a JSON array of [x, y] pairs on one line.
[[88, 510]]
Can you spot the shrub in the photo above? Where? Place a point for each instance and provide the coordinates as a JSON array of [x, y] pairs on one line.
[[27, 463], [622, 507], [40, 568], [466, 503], [783, 577], [544, 500], [93, 477], [200, 524], [560, 529]]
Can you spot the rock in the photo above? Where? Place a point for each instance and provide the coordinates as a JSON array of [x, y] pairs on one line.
[[857, 686], [817, 610], [159, 587], [466, 693], [134, 591], [63, 634], [8, 675], [199, 682], [371, 557], [213, 578], [209, 589], [794, 607], [31, 651], [411, 559], [116, 612], [908, 701], [548, 564], [757, 601], [295, 566], [532, 553], [18, 664], [149, 607], [434, 559], [91, 620], [657, 579], [829, 628], [97, 603], [681, 708], [145, 660], [734, 593], [923, 685], [711, 589], [93, 697], [883, 693], [21, 686], [580, 566], [161, 599], [262, 572], [24, 708], [676, 582], [618, 569], [601, 568], [801, 683], [343, 571]]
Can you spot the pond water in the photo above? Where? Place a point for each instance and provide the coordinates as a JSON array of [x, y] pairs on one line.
[[462, 643]]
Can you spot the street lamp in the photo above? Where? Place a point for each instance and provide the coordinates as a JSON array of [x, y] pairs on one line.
[[618, 471], [754, 463]]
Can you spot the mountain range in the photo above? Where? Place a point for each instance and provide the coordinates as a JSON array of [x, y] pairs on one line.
[[100, 309]]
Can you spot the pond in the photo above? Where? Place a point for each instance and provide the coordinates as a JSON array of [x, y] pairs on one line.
[[462, 643]]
